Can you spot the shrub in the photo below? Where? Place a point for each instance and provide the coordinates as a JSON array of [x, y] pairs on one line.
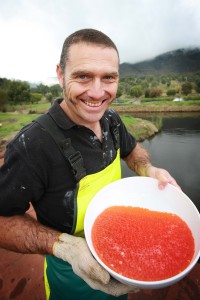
[[171, 92]]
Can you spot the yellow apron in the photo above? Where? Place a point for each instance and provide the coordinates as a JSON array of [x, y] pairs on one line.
[[60, 281]]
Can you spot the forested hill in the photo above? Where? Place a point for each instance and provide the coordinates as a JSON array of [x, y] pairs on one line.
[[177, 61]]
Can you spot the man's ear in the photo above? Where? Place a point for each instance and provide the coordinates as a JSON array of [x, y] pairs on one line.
[[59, 75]]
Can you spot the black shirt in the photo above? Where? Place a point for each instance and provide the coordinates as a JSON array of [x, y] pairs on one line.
[[35, 171]]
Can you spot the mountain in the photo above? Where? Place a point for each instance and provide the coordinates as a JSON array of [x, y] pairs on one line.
[[177, 61]]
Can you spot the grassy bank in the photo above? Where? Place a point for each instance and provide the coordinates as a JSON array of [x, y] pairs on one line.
[[11, 123], [141, 129], [17, 116]]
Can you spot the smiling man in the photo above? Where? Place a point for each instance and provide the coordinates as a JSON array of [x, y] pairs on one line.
[[60, 161], [89, 78]]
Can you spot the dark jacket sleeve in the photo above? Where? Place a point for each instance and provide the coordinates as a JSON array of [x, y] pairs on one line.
[[22, 177]]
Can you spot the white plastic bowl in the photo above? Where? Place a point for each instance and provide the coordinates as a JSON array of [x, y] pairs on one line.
[[144, 192]]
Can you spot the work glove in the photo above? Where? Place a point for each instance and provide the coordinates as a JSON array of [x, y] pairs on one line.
[[75, 251]]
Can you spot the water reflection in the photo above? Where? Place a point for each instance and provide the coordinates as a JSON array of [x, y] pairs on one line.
[[176, 148]]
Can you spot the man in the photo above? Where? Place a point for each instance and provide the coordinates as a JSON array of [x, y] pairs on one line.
[[35, 170]]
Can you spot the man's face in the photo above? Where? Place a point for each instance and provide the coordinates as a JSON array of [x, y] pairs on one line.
[[90, 82]]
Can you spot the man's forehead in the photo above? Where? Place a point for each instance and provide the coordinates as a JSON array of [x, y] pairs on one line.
[[91, 51]]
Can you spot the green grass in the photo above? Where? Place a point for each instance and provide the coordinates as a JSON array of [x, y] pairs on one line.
[[13, 122], [129, 120], [15, 118], [141, 129]]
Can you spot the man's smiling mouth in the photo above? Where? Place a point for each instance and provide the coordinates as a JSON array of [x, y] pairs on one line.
[[93, 104]]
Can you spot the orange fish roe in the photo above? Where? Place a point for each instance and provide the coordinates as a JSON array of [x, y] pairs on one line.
[[142, 244]]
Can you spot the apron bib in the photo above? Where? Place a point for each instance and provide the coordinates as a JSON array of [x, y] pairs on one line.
[[60, 281]]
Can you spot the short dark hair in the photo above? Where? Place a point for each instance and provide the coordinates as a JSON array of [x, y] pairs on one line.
[[88, 36]]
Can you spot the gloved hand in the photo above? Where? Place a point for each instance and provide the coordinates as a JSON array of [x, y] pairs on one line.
[[75, 251]]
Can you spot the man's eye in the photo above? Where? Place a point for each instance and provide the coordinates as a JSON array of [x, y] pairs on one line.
[[109, 78], [83, 77]]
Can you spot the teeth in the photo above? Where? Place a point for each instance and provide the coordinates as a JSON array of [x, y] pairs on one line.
[[94, 104]]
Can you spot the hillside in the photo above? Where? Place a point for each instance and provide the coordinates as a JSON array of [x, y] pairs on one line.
[[177, 61]]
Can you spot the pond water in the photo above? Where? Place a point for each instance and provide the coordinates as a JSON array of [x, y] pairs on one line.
[[177, 149]]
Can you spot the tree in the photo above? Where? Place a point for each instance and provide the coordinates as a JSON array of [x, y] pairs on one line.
[[155, 92], [35, 97], [5, 84], [55, 90], [147, 93], [41, 89], [119, 91], [197, 85], [136, 91], [186, 88], [3, 98], [19, 92], [171, 92], [154, 83], [49, 97]]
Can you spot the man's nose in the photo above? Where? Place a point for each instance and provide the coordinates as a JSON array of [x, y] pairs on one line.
[[96, 89]]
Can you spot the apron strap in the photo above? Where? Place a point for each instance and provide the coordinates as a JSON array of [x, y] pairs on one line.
[[64, 144]]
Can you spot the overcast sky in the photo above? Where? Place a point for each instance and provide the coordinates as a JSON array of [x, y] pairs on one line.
[[32, 32]]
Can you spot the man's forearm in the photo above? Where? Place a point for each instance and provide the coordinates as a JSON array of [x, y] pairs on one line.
[[138, 160], [25, 235]]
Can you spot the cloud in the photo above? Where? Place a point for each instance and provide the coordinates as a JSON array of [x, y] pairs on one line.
[[32, 32], [158, 26]]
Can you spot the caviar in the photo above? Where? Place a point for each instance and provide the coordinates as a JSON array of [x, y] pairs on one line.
[[142, 244]]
